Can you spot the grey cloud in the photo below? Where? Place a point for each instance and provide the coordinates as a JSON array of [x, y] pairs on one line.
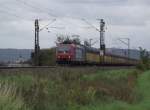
[[123, 17], [95, 1]]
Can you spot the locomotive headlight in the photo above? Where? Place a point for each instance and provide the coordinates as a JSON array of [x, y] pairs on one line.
[[69, 57]]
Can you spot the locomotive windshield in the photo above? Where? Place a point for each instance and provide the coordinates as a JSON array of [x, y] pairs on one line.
[[63, 49]]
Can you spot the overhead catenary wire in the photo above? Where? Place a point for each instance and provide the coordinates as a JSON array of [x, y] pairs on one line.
[[90, 24], [36, 8], [57, 27], [41, 10], [11, 11], [48, 24], [44, 10]]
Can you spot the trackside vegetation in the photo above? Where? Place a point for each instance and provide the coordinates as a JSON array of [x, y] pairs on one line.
[[144, 63], [75, 89]]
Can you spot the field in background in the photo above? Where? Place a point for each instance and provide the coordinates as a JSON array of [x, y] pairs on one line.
[[74, 89]]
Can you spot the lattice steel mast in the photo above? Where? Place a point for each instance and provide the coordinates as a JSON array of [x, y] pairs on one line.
[[37, 47]]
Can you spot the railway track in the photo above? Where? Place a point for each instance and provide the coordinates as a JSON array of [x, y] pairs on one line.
[[42, 67]]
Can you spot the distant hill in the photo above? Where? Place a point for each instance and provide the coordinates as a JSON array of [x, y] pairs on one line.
[[12, 55], [135, 54]]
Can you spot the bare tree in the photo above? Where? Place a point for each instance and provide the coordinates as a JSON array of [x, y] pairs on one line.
[[66, 39]]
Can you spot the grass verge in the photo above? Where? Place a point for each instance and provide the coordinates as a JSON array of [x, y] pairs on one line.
[[103, 90]]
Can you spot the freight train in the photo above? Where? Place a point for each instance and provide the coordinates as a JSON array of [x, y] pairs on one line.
[[80, 54]]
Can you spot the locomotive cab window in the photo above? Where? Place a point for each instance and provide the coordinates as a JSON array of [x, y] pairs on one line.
[[63, 49]]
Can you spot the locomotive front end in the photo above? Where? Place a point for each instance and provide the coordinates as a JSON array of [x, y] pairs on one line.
[[64, 53]]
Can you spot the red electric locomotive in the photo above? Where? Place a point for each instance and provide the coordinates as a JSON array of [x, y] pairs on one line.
[[65, 53], [70, 53]]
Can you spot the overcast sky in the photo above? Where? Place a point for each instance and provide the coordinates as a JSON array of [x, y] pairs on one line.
[[124, 18]]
